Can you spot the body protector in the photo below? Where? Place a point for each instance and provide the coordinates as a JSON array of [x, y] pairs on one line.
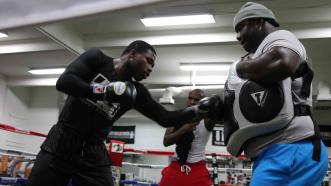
[[254, 109]]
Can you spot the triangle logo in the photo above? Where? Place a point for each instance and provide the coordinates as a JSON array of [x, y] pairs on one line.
[[259, 97]]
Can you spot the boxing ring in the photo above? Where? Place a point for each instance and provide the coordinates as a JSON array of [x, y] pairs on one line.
[[16, 165]]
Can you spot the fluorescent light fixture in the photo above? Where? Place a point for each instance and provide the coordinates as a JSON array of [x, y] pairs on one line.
[[211, 80], [178, 20], [3, 34], [47, 71], [204, 66]]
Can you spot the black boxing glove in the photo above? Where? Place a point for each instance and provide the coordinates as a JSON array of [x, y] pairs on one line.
[[117, 92], [212, 108]]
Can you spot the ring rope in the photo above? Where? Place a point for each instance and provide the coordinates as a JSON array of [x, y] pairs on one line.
[[10, 128]]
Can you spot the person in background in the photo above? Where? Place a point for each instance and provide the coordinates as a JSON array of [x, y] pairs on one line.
[[188, 167]]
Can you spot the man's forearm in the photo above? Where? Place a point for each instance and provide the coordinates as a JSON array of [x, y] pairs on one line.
[[172, 138], [272, 66]]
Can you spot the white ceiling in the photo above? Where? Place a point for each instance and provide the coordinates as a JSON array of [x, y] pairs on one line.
[[53, 34]]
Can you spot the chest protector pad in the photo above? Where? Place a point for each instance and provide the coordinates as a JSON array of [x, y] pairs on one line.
[[257, 109], [260, 103]]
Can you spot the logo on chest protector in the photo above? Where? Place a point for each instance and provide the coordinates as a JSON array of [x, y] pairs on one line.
[[259, 97], [260, 103]]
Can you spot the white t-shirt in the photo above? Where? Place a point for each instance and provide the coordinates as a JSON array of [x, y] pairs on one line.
[[198, 147], [300, 127]]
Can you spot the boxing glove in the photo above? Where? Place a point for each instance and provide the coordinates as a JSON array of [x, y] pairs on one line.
[[118, 92], [211, 107]]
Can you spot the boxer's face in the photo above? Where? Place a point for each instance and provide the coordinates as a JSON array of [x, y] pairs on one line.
[[248, 34], [193, 98], [142, 64]]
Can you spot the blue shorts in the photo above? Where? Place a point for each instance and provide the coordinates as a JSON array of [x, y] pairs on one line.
[[290, 165]]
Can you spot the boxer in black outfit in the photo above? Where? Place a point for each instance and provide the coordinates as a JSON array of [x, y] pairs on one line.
[[100, 90]]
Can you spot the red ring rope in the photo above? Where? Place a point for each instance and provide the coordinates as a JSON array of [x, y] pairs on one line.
[[151, 152], [21, 131]]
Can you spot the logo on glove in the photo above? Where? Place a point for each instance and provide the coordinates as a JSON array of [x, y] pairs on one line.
[[119, 88], [98, 89]]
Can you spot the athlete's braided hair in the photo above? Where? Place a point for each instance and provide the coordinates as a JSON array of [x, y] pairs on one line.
[[139, 46]]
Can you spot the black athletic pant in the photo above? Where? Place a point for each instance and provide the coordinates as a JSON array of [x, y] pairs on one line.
[[49, 170]]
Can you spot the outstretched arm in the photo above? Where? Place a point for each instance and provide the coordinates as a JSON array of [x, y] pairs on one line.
[[146, 105], [272, 66]]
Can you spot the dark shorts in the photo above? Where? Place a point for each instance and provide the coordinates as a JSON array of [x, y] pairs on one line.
[[52, 171]]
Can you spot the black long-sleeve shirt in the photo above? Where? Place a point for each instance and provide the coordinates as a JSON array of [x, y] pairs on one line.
[[86, 120]]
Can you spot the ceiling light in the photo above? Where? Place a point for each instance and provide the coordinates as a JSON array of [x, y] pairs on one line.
[[3, 34], [178, 20], [47, 71], [204, 66], [209, 80]]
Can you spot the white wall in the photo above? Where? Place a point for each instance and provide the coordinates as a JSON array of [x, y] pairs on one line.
[[16, 109], [15, 113], [43, 113], [29, 109], [43, 109], [319, 55], [2, 95]]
